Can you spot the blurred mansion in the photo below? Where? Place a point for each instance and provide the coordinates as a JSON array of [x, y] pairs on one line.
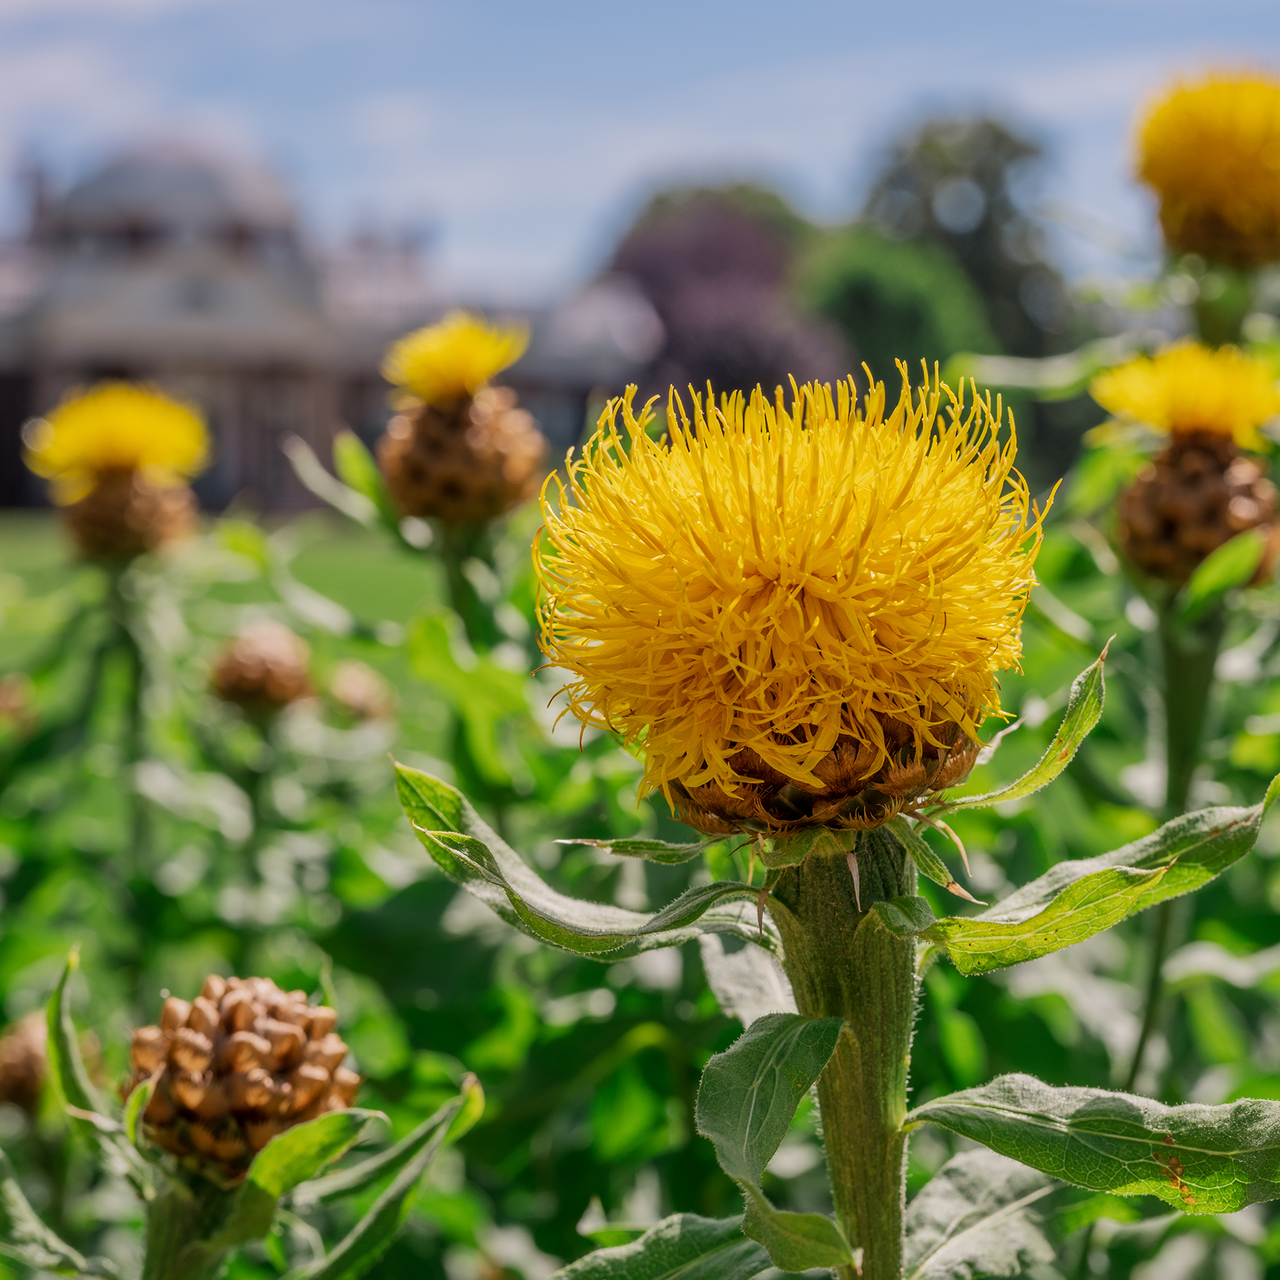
[[188, 269]]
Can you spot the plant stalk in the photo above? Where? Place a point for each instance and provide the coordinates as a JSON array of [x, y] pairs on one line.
[[1190, 654], [180, 1222], [842, 962]]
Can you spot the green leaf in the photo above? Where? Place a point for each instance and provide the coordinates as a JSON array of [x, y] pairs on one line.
[[747, 983], [1080, 897], [289, 1159], [790, 851], [482, 694], [81, 1102], [652, 850], [927, 862], [977, 1216], [1084, 707], [1200, 1159], [750, 1092], [135, 1106], [1226, 567], [471, 854], [794, 1241], [682, 1247], [357, 469], [370, 1238], [311, 471], [439, 1128], [26, 1240], [747, 1098]]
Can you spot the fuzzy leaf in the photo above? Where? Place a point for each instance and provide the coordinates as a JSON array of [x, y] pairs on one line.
[[1084, 707], [1200, 1159], [747, 983], [1223, 569], [977, 1216], [651, 850], [289, 1159], [682, 1247], [471, 854], [927, 862], [26, 1240], [1080, 897], [747, 1098]]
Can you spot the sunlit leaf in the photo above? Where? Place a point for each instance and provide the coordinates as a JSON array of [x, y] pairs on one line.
[[1084, 707], [1200, 1159], [650, 850], [1080, 897], [1226, 567], [474, 856]]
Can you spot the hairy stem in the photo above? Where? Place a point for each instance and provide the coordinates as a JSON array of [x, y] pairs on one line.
[[843, 963], [458, 544]]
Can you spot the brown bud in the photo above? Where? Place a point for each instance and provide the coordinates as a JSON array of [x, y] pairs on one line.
[[190, 1051], [244, 1049], [286, 1042], [215, 987], [328, 1052], [188, 1089], [263, 669], [174, 1014], [465, 464], [23, 1065], [124, 515], [241, 1070], [323, 1020], [149, 1049]]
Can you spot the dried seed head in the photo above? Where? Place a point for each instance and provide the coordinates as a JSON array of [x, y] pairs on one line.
[[263, 669], [23, 1064], [467, 463], [234, 1068]]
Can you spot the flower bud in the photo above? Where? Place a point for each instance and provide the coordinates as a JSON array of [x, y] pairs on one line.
[[23, 1064], [234, 1068], [263, 669]]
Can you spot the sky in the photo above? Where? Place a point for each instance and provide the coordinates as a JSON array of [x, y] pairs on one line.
[[521, 138]]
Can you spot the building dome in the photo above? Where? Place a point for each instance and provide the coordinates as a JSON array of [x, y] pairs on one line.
[[173, 192]]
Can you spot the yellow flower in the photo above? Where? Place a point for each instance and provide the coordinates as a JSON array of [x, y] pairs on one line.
[[768, 583], [1188, 387], [445, 362], [116, 426], [1211, 151]]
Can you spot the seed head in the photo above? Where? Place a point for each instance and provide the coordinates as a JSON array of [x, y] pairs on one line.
[[263, 669]]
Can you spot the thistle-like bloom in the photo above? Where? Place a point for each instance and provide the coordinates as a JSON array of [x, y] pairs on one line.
[[1188, 387], [446, 362], [1211, 151], [795, 612], [116, 427]]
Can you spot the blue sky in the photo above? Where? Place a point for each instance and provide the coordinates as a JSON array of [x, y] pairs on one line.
[[527, 134]]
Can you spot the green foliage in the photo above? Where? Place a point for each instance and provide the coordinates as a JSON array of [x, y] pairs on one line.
[[1200, 1159], [894, 297], [683, 1247]]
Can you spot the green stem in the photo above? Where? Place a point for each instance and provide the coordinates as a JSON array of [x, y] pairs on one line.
[[134, 737], [843, 963], [1190, 654], [458, 544], [1226, 298], [180, 1221]]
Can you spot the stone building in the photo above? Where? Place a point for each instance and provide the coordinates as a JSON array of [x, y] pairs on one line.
[[188, 269]]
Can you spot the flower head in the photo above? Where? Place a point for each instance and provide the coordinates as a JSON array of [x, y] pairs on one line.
[[1189, 388], [784, 606], [116, 427], [1211, 151], [449, 361]]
